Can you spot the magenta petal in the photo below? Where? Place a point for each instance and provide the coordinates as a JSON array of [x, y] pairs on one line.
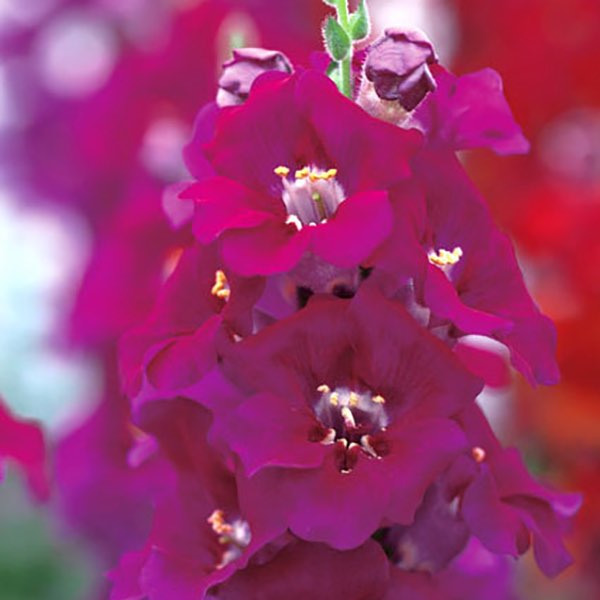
[[204, 128], [125, 577], [23, 442], [301, 570], [223, 204], [179, 211], [166, 578], [185, 359], [419, 453], [265, 250], [266, 131], [491, 520], [267, 431], [359, 226], [339, 509], [469, 112], [415, 371], [489, 123], [383, 148], [443, 300], [490, 366], [550, 553]]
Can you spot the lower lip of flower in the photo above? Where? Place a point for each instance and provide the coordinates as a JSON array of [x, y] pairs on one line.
[[312, 196], [354, 421]]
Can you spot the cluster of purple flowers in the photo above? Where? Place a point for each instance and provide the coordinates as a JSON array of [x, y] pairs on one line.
[[308, 374]]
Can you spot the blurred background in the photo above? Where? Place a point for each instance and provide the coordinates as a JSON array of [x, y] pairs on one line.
[[97, 97]]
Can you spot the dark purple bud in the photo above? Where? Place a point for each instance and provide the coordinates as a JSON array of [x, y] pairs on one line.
[[397, 65], [240, 72]]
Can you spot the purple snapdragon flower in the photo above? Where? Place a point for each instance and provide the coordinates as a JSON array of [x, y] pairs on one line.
[[301, 371], [287, 182], [345, 398], [198, 303]]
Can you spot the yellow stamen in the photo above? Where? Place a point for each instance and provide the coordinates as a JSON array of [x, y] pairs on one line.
[[353, 401], [218, 523], [378, 399], [334, 399], [443, 258], [478, 454], [322, 175], [302, 173], [282, 171], [221, 288], [324, 389]]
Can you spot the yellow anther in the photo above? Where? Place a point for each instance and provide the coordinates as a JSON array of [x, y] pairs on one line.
[[221, 288], [378, 399], [322, 175], [334, 399], [324, 389], [218, 523], [302, 173], [281, 171], [443, 258], [478, 454], [353, 400]]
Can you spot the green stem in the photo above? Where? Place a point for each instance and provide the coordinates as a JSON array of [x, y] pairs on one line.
[[346, 64]]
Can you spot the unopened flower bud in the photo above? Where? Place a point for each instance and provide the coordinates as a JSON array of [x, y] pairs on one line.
[[240, 72], [397, 65]]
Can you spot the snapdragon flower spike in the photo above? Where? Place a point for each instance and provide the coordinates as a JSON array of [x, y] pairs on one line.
[[22, 442], [287, 180], [342, 416], [198, 304]]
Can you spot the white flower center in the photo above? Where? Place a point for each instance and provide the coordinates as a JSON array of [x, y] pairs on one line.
[[312, 196]]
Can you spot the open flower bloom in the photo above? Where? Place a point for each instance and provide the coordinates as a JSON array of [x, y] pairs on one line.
[[324, 408], [486, 493], [199, 302], [504, 506], [22, 442], [287, 181], [473, 279], [199, 536], [458, 266]]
